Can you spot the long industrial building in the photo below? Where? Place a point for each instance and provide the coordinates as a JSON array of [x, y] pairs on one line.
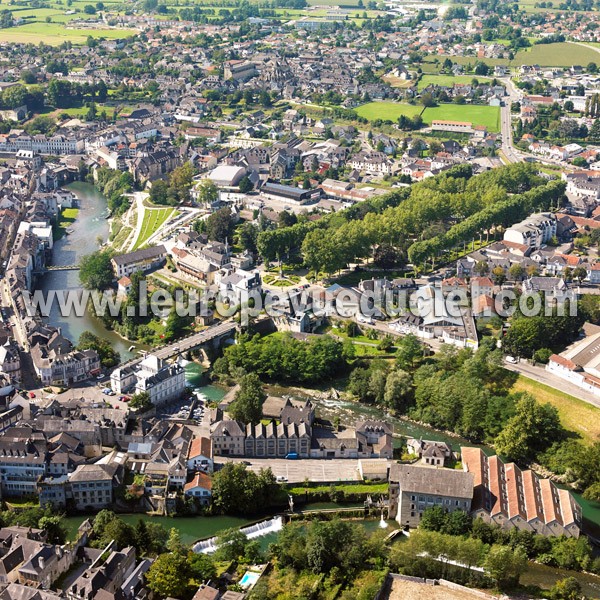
[[506, 495]]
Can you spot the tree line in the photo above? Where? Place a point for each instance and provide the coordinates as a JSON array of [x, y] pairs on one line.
[[418, 223]]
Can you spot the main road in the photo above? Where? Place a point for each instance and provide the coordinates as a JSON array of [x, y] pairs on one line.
[[508, 148], [540, 375]]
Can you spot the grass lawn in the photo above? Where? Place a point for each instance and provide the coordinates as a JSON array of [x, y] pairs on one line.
[[360, 488], [476, 114], [65, 220], [55, 34], [387, 110], [447, 80], [153, 219], [563, 54], [576, 415], [340, 3]]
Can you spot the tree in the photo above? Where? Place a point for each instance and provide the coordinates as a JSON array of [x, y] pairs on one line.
[[580, 273], [207, 192], [516, 272], [506, 565], [231, 544], [159, 192], [248, 235], [109, 357], [54, 528], [566, 589], [434, 518], [174, 543], [219, 225], [141, 401], [180, 183], [427, 100], [236, 490], [247, 405], [409, 351], [481, 268], [167, 576], [119, 531], [245, 185], [398, 390], [533, 428], [88, 9], [95, 270]]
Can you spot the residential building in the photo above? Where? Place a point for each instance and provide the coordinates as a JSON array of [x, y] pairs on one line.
[[92, 486], [199, 488], [140, 260], [415, 488], [162, 381], [534, 232]]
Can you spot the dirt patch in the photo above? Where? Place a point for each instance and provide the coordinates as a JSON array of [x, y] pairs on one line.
[[407, 590]]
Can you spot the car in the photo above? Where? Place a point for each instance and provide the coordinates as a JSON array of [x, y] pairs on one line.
[[100, 377], [282, 478], [364, 319], [292, 456], [511, 359], [246, 462], [31, 395]]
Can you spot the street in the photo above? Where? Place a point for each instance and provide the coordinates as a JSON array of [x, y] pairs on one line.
[[540, 375]]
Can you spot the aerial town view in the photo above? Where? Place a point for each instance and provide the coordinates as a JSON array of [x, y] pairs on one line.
[[299, 299]]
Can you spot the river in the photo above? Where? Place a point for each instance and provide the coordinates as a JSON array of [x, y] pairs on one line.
[[90, 224]]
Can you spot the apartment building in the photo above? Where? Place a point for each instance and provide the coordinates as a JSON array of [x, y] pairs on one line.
[[535, 231], [162, 381], [413, 489], [92, 486], [140, 260]]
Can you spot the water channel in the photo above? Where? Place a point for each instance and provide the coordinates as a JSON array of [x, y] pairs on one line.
[[91, 224]]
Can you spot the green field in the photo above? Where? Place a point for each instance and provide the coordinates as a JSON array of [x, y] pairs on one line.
[[447, 80], [387, 110], [576, 415], [66, 218], [489, 116], [153, 219], [563, 54], [478, 115], [56, 33]]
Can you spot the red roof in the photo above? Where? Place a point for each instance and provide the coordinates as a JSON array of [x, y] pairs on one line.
[[200, 446], [563, 362], [201, 480]]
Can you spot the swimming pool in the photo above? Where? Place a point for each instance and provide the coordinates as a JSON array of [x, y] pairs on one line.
[[249, 579]]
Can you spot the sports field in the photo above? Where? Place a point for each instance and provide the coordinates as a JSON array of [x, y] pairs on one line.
[[387, 110], [153, 220], [563, 54], [489, 116], [447, 80]]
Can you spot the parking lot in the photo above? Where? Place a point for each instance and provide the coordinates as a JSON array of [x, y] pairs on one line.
[[296, 471]]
